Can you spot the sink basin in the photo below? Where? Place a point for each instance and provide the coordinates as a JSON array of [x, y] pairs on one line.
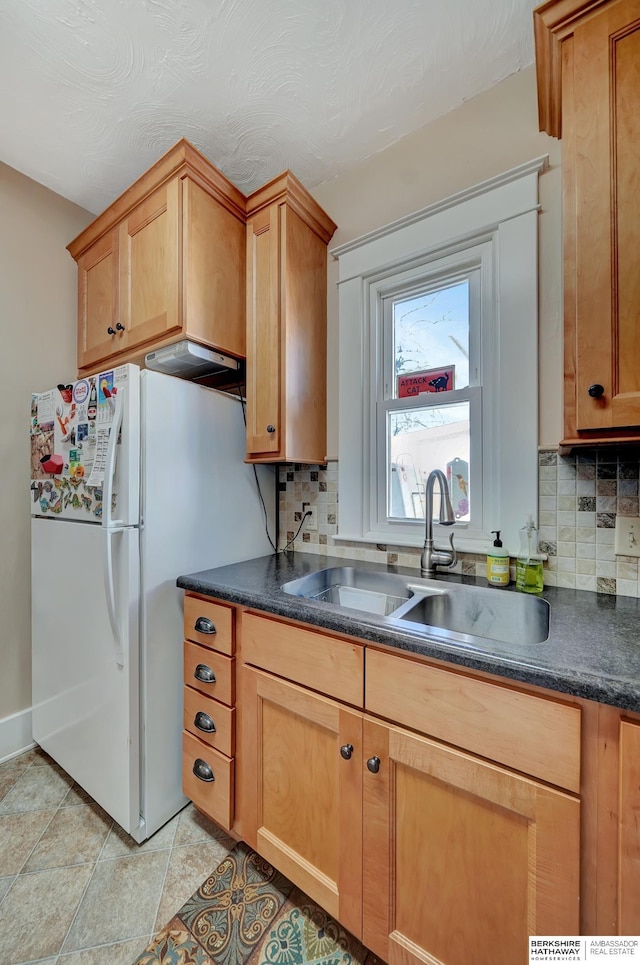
[[348, 586], [482, 612], [459, 612]]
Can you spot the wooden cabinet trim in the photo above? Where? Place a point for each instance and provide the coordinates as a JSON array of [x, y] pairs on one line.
[[316, 660], [286, 188], [553, 22], [181, 160], [534, 735]]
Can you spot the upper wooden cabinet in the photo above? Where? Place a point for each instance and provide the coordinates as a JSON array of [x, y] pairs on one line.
[[287, 237], [165, 261], [588, 63]]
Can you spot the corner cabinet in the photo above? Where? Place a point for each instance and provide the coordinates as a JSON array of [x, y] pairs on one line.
[[588, 66], [286, 269], [165, 261]]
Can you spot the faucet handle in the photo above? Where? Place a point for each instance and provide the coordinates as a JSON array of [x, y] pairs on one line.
[[454, 555]]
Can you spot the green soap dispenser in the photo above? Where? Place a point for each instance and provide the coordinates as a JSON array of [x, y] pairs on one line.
[[497, 562], [529, 574]]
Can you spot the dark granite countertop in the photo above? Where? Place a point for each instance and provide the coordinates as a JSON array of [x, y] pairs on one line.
[[593, 649]]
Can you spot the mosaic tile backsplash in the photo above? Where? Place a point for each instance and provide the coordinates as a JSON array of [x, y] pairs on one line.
[[579, 497]]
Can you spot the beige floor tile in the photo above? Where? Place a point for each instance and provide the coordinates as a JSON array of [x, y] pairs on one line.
[[188, 868], [76, 796], [19, 834], [194, 826], [9, 776], [121, 901], [37, 789], [5, 884], [37, 911], [74, 836], [121, 953], [120, 843]]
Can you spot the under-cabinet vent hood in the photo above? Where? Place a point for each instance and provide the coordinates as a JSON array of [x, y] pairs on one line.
[[189, 360]]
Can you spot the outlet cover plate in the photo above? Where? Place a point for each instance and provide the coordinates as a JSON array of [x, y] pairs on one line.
[[627, 536], [311, 522]]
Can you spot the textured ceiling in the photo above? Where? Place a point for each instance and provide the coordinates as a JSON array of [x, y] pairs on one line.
[[94, 91]]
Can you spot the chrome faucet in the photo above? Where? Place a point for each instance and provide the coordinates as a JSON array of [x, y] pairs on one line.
[[431, 556]]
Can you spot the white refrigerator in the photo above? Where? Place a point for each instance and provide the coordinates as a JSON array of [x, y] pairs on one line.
[[136, 477]]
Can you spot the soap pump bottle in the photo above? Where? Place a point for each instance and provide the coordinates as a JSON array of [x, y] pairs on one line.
[[529, 575], [497, 562]]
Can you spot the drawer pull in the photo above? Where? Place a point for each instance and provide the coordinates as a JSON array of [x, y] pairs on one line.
[[204, 674], [205, 625], [346, 751], [373, 764], [203, 722], [202, 770]]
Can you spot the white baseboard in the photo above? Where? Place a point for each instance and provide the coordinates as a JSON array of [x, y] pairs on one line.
[[16, 735]]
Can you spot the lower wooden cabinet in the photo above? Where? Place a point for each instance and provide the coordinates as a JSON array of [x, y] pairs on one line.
[[441, 816], [303, 751], [462, 859], [629, 829], [425, 852]]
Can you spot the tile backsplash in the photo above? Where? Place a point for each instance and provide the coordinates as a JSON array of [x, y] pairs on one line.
[[579, 497]]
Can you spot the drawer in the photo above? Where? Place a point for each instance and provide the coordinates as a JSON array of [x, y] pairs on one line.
[[216, 622], [214, 797], [316, 660], [531, 734], [206, 662], [216, 715]]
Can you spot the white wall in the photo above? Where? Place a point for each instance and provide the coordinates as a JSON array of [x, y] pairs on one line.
[[38, 324], [485, 136]]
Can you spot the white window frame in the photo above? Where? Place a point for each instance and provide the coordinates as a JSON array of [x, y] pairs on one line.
[[494, 226]]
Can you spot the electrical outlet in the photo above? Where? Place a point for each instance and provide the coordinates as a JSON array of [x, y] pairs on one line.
[[311, 522], [627, 536]]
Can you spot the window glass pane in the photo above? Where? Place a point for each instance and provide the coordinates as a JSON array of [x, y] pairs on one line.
[[431, 341], [422, 439]]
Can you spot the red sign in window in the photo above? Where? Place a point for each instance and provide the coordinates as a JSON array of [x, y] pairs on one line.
[[428, 380]]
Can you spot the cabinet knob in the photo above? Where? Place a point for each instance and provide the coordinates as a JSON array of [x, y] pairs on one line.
[[373, 764], [596, 391], [346, 751], [205, 674], [119, 327], [202, 770], [204, 723], [111, 331], [205, 625], [271, 428]]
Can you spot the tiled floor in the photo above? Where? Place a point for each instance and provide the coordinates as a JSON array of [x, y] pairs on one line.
[[76, 890]]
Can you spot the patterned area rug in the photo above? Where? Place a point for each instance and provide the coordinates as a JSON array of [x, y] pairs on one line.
[[247, 913]]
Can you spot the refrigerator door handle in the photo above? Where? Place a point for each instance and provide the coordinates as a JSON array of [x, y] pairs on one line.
[[109, 583], [110, 463]]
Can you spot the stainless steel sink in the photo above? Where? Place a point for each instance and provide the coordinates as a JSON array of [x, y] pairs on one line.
[[458, 612], [348, 586]]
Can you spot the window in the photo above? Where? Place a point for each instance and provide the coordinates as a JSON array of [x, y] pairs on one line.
[[438, 367]]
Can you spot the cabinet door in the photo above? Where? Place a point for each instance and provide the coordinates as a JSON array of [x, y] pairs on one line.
[[462, 859], [629, 841], [150, 286], [602, 113], [98, 301], [302, 752], [265, 430]]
